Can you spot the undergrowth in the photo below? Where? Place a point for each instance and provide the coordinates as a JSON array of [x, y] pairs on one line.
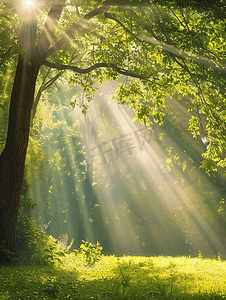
[[49, 270]]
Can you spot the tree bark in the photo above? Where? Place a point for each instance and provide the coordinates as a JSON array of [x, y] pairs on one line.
[[12, 159]]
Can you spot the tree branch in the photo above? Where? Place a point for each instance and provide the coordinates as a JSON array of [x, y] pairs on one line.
[[53, 17], [81, 23], [43, 87], [217, 66], [51, 81], [93, 67], [107, 15]]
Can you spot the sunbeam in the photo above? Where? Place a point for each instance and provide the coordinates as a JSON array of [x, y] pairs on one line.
[[132, 189]]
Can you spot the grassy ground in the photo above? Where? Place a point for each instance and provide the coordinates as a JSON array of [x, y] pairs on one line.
[[126, 277]]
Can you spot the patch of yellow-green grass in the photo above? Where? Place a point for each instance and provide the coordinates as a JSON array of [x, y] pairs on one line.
[[157, 276], [127, 277]]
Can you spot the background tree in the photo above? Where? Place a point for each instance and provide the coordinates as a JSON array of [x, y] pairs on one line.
[[170, 47]]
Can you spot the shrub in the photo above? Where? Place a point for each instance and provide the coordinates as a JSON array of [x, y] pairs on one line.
[[34, 246], [91, 252]]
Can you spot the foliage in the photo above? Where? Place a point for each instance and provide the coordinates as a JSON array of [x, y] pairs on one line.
[[37, 248], [25, 202], [127, 277], [37, 282], [91, 252], [171, 47], [5, 87]]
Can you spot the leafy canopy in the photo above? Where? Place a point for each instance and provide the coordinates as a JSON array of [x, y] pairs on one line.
[[162, 48]]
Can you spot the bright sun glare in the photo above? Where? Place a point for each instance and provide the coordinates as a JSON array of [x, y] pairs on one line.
[[29, 3]]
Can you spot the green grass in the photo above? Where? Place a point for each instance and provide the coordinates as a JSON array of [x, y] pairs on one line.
[[127, 277]]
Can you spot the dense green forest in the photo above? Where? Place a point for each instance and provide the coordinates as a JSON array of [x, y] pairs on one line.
[[112, 142], [112, 126]]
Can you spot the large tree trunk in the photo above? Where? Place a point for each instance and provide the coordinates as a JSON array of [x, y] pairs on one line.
[[12, 159]]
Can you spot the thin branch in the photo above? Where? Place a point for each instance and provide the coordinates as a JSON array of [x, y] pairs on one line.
[[171, 49], [93, 67], [81, 23], [43, 87], [107, 15], [210, 111], [51, 81]]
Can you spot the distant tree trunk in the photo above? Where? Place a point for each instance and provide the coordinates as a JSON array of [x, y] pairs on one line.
[[12, 159], [90, 135], [88, 186]]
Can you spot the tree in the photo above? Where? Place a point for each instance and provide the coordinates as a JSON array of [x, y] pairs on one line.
[[162, 47]]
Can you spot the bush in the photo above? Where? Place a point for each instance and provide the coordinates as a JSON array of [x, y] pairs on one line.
[[91, 252], [34, 246]]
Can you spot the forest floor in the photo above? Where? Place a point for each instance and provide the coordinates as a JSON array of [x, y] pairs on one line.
[[128, 277]]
